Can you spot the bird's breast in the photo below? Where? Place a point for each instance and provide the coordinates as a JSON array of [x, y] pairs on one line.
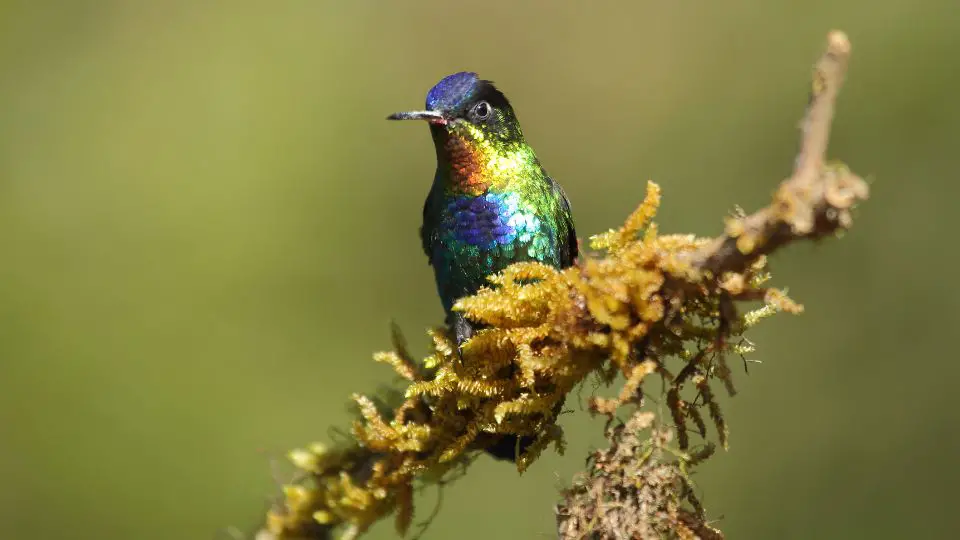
[[483, 234], [490, 220], [472, 237]]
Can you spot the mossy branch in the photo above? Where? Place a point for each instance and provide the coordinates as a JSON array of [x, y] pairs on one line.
[[644, 306], [655, 499]]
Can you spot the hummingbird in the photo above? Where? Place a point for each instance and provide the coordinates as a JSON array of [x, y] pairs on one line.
[[491, 204]]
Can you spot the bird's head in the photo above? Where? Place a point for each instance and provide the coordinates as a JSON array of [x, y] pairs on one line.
[[468, 109]]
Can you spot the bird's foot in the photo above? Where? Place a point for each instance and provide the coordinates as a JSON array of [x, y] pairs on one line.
[[462, 331]]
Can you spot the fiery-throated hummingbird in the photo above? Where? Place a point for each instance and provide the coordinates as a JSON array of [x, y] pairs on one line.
[[491, 203]]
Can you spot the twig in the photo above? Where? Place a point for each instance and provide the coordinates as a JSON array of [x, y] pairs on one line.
[[812, 203]]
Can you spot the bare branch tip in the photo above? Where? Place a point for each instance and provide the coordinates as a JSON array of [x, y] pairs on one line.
[[838, 43]]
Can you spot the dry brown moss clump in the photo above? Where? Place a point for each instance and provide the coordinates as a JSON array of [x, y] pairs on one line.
[[639, 487]]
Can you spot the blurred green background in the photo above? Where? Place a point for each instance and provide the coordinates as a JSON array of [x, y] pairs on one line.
[[206, 227]]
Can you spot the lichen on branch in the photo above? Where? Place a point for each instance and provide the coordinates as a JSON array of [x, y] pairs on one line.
[[641, 306]]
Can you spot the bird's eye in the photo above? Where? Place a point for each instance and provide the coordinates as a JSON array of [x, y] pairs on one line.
[[481, 110]]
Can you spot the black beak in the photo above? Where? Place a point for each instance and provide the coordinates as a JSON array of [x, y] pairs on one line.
[[433, 117]]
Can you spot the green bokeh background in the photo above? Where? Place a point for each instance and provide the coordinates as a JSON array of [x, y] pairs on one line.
[[206, 227]]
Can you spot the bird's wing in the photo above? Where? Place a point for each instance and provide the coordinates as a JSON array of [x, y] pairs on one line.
[[428, 231], [568, 245]]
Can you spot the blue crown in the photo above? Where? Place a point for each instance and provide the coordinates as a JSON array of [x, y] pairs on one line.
[[451, 91]]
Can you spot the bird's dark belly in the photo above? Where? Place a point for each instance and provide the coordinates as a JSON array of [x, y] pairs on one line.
[[482, 235]]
